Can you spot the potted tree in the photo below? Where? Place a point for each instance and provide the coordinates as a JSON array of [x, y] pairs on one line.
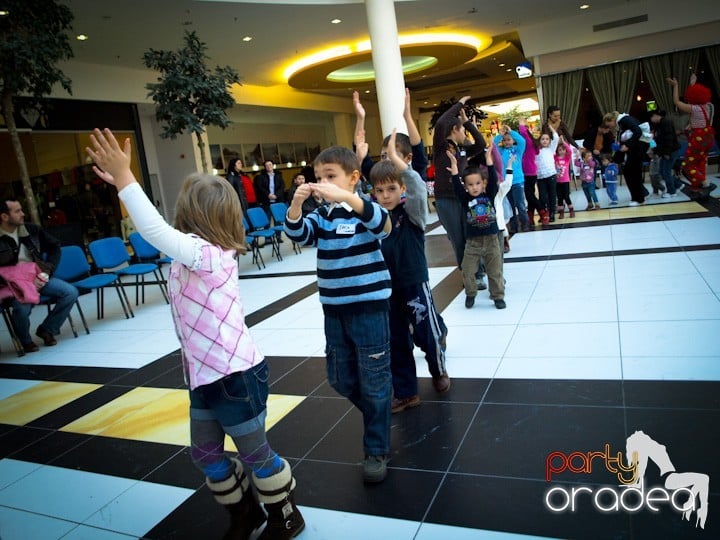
[[189, 96]]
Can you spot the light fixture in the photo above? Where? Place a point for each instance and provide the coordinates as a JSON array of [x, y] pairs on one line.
[[336, 21], [340, 65], [288, 164], [367, 91], [247, 38], [638, 97], [585, 6], [82, 37], [4, 13], [502, 64], [214, 171], [303, 163], [255, 167]]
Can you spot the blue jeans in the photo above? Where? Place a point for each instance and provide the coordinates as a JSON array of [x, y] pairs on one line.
[[358, 368], [61, 293], [589, 190], [516, 197], [452, 217], [612, 190], [666, 173], [237, 401]]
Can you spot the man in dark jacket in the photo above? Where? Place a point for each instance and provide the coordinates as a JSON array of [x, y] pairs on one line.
[[667, 144], [269, 186], [21, 242]]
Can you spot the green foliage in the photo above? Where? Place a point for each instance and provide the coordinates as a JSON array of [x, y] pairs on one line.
[[33, 40], [189, 96], [512, 118]]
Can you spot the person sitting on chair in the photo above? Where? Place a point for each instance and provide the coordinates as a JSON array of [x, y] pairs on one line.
[[26, 242]]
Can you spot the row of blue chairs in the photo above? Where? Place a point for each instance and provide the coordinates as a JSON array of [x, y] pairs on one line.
[[112, 261], [258, 226]]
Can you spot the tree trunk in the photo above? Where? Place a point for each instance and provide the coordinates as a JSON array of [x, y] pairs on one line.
[[9, 110], [201, 147]]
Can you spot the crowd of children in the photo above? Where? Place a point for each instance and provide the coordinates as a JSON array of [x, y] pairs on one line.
[[372, 277]]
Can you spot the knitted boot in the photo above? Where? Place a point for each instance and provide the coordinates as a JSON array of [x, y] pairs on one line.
[[561, 211], [572, 211], [276, 493], [235, 494]]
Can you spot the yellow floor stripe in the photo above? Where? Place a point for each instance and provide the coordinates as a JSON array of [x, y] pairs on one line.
[[647, 210], [161, 416], [39, 400]]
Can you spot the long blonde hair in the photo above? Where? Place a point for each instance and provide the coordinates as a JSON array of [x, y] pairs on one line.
[[209, 207]]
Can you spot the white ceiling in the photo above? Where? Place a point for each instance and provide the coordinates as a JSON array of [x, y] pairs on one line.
[[121, 31]]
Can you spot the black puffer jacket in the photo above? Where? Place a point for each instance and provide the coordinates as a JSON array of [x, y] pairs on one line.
[[43, 248]]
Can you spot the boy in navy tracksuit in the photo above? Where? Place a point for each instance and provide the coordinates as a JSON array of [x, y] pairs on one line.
[[411, 301]]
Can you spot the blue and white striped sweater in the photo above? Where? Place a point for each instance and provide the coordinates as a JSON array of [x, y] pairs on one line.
[[350, 265]]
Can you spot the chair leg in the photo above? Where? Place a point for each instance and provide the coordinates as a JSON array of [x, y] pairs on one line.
[[160, 284], [13, 335], [124, 302], [82, 316], [72, 325], [163, 284]]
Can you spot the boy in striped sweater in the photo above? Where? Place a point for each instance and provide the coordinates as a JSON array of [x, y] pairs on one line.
[[354, 285]]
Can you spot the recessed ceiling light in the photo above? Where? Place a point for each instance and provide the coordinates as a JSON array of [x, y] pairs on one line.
[[585, 6], [336, 21], [81, 37], [508, 69], [247, 38], [367, 91], [502, 65]]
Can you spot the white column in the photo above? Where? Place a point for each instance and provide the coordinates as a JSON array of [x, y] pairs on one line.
[[387, 63]]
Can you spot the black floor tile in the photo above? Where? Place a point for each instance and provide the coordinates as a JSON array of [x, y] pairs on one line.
[[306, 424], [198, 517], [556, 392], [516, 440], [32, 372], [669, 523], [117, 457], [425, 437], [517, 506], [403, 495], [296, 376], [177, 471], [461, 390], [46, 449], [172, 378], [344, 442], [673, 394], [691, 439], [93, 375], [20, 437], [142, 376], [79, 407]]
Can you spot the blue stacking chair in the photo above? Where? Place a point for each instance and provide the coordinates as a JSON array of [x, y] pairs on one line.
[[260, 226], [252, 239], [75, 269], [279, 211], [110, 254], [146, 252]]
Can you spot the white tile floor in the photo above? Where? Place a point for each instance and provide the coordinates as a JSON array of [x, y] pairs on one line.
[[604, 317]]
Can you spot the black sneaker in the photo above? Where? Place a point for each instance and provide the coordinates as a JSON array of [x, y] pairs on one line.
[[469, 301], [500, 303], [374, 469]]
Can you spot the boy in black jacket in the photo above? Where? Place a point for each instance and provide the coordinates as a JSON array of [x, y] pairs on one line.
[[411, 301], [476, 191]]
